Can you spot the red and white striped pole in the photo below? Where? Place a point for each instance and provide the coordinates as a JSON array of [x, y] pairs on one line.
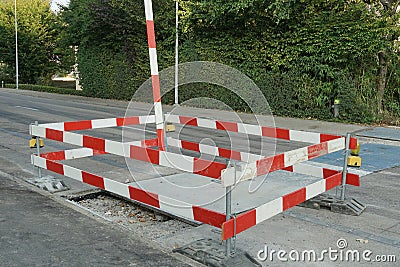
[[155, 79]]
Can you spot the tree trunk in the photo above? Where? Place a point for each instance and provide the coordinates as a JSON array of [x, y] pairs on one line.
[[382, 73]]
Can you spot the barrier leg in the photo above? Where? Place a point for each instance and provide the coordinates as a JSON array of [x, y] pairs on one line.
[[337, 203], [228, 208], [38, 151], [344, 173]]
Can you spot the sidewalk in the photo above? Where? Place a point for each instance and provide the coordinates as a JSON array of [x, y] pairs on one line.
[[35, 230]]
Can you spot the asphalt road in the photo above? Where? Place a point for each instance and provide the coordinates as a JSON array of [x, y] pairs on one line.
[[299, 228], [36, 230], [18, 109]]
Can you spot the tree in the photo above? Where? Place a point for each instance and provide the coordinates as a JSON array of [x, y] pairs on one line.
[[111, 36], [387, 11], [38, 30], [323, 40], [303, 54]]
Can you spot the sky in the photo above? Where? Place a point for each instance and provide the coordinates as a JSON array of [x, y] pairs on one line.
[[54, 3]]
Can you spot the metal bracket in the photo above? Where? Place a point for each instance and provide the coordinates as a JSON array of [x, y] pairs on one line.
[[338, 204], [48, 183], [233, 251], [210, 253]]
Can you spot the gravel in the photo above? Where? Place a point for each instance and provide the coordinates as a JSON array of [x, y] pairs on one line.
[[142, 221]]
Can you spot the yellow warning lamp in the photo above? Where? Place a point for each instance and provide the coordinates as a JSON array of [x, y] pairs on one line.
[[170, 127], [354, 158], [32, 142]]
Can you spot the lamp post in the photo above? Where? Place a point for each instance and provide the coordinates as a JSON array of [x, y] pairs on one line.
[[176, 53], [16, 44]]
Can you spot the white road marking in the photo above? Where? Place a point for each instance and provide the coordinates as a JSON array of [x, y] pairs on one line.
[[27, 108], [389, 173]]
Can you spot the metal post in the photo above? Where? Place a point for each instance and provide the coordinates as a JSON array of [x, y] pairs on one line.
[[228, 208], [77, 84], [228, 202], [344, 173], [16, 44], [176, 54], [336, 105], [38, 151], [336, 110]]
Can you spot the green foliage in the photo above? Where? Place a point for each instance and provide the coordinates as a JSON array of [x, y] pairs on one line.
[[48, 89], [38, 29], [107, 75], [111, 36], [303, 54]]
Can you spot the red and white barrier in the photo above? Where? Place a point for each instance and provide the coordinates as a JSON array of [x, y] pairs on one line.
[[144, 151], [155, 79], [164, 203], [321, 172], [253, 166], [191, 212], [99, 123], [265, 131], [89, 152], [275, 161], [195, 165], [191, 164], [257, 215], [280, 161], [213, 150]]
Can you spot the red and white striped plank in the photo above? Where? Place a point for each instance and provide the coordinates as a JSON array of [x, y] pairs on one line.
[[155, 79], [211, 169], [72, 154], [315, 171], [257, 215], [280, 161], [191, 164], [109, 146], [85, 152], [144, 143], [213, 150], [99, 123], [164, 203], [320, 172], [357, 171], [163, 158], [280, 133]]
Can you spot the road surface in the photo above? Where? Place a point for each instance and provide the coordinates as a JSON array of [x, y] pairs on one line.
[[298, 228]]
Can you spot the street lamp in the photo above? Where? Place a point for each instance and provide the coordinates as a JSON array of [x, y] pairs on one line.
[[176, 53], [16, 44]]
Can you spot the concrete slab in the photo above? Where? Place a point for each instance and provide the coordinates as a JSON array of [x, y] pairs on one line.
[[375, 157], [392, 133], [202, 191]]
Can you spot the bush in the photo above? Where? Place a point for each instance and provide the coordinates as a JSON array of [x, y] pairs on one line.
[[107, 75], [48, 89]]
